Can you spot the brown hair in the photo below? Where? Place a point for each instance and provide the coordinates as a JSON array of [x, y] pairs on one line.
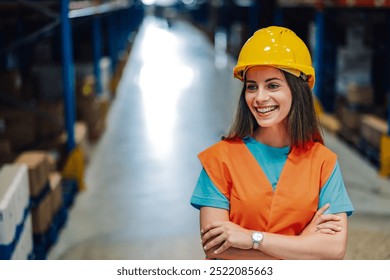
[[302, 121]]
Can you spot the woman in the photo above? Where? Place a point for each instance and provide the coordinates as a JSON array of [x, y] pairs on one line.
[[271, 189]]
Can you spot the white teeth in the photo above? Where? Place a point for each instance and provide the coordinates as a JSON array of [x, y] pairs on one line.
[[264, 110]]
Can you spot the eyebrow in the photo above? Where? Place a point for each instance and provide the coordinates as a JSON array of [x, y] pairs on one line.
[[267, 80]]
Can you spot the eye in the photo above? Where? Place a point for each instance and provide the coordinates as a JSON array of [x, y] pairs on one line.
[[273, 86], [251, 87]]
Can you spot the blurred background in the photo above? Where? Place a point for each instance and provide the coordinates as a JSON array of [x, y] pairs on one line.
[[104, 106]]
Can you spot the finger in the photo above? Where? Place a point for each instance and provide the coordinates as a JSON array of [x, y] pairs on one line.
[[327, 231], [222, 249], [331, 226], [210, 227], [321, 211], [328, 220], [330, 217], [324, 208], [215, 242], [211, 234]]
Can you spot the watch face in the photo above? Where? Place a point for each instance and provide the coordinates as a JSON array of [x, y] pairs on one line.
[[257, 236]]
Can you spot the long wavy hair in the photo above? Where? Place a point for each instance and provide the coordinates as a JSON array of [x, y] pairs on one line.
[[302, 121]]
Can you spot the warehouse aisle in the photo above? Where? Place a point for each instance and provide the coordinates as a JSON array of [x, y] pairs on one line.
[[172, 102], [175, 99]]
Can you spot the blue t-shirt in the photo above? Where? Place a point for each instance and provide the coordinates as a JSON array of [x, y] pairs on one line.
[[272, 161]]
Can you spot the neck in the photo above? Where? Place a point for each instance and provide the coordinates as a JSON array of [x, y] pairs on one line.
[[272, 136]]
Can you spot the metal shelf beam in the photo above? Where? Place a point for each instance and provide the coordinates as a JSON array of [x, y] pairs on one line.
[[100, 9]]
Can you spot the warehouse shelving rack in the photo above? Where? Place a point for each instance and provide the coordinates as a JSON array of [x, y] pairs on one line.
[[324, 56], [110, 25], [119, 17], [95, 12]]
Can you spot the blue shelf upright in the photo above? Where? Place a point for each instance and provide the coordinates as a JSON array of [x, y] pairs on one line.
[[97, 50], [68, 74]]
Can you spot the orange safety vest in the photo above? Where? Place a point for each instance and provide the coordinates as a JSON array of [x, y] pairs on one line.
[[253, 203]]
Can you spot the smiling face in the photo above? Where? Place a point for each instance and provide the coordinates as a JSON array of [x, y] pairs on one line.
[[268, 96]]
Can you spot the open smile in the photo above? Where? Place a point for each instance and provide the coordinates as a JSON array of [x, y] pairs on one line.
[[265, 110]]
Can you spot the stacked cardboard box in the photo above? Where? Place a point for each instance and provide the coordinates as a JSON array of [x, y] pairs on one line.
[[15, 222], [55, 192], [359, 100], [38, 173], [372, 128], [38, 167], [45, 198], [51, 122], [93, 110], [330, 122], [19, 127]]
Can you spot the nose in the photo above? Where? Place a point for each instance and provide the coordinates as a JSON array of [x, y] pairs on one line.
[[262, 96]]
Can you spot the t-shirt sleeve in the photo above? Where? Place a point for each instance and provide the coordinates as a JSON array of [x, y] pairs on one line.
[[207, 194], [335, 193]]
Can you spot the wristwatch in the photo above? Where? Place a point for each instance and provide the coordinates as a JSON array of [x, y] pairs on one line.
[[257, 237]]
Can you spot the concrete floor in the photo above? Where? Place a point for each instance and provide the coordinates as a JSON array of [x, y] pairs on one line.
[[176, 97]]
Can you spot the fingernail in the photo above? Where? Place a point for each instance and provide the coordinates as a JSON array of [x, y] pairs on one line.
[[205, 247], [201, 231]]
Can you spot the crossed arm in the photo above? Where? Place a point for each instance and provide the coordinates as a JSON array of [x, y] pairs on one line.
[[325, 237]]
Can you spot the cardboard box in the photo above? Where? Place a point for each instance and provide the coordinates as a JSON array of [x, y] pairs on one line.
[[350, 118], [19, 127], [104, 104], [56, 191], [53, 123], [94, 111], [38, 167], [42, 215], [351, 136], [88, 110], [86, 86], [52, 159], [372, 128], [330, 123], [360, 94]]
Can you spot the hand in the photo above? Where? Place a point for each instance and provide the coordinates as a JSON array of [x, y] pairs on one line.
[[225, 234], [323, 223]]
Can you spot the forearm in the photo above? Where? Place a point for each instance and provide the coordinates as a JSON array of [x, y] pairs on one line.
[[316, 246], [235, 242], [239, 254]]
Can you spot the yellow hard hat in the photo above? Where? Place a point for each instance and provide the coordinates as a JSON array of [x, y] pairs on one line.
[[278, 47]]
